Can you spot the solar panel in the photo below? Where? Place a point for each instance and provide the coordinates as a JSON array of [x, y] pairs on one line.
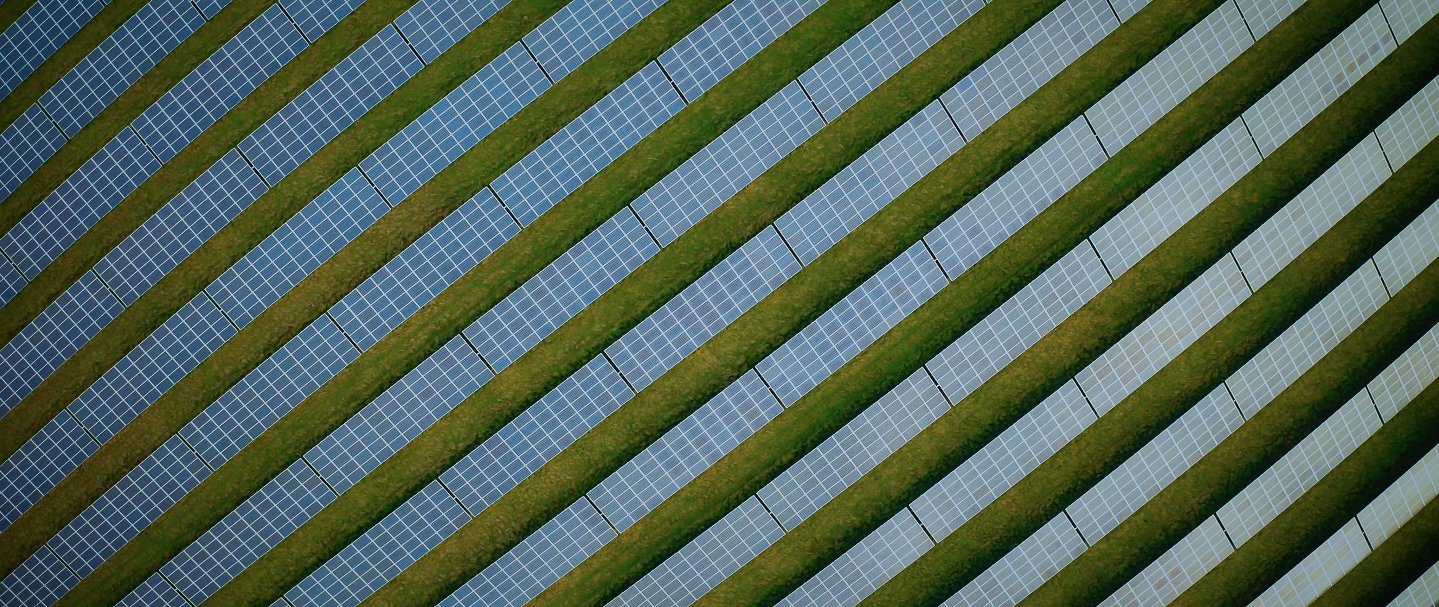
[[349, 210]]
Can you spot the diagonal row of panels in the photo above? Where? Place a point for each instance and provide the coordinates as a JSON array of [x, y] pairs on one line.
[[780, 252]]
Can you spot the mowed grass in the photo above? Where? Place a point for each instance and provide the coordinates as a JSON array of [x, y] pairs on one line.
[[178, 287], [70, 53], [701, 375], [120, 113], [1334, 500], [267, 333], [1171, 392], [1025, 382], [1393, 566]]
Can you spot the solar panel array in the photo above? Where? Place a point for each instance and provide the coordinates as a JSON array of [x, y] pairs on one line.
[[648, 225]]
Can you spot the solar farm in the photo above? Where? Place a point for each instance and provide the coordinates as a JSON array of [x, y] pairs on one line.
[[719, 302]]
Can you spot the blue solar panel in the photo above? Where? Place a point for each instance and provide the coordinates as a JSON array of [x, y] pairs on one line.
[[881, 49], [315, 17], [40, 463], [736, 33], [43, 27], [686, 450], [243, 535], [219, 83], [308, 360], [53, 336], [531, 439], [561, 290], [412, 529], [545, 555], [180, 227], [433, 26], [135, 501], [119, 61], [587, 144], [299, 246], [423, 269], [26, 144], [730, 162], [329, 105], [703, 308], [581, 29], [152, 367], [78, 203], [456, 123], [398, 415]]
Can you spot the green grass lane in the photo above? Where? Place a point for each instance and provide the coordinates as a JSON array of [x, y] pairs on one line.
[[74, 50], [499, 274], [1334, 500], [267, 333], [726, 356], [1171, 392], [271, 96], [1086, 334], [1393, 565], [121, 112]]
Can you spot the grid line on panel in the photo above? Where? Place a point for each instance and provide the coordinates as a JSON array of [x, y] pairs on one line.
[[406, 40], [543, 69], [82, 426], [146, 144], [53, 122], [671, 79], [162, 575], [62, 561], [361, 170], [601, 513], [251, 164], [347, 334], [108, 288], [323, 481], [1243, 18], [223, 313], [1385, 15], [943, 105], [769, 511], [922, 527], [810, 98]]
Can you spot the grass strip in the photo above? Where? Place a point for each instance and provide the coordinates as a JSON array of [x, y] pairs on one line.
[[1167, 395], [237, 237], [508, 268], [120, 113], [497, 276], [268, 332], [74, 50], [1066, 350], [1393, 565], [1333, 501], [764, 328]]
